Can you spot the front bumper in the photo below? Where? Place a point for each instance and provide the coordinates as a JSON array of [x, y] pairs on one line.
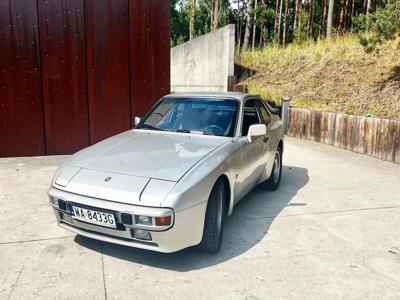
[[186, 230]]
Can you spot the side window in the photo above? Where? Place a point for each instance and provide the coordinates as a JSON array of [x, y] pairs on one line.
[[265, 116], [250, 116]]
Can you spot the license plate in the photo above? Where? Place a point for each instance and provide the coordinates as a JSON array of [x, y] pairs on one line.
[[93, 216]]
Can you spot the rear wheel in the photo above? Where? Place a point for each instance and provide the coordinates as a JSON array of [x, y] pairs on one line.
[[274, 180], [214, 220]]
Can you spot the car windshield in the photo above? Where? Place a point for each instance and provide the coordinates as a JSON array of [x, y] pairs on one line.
[[193, 115]]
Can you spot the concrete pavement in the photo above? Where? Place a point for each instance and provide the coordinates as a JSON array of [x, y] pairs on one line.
[[332, 230]]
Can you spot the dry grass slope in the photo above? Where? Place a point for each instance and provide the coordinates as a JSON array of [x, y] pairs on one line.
[[335, 76]]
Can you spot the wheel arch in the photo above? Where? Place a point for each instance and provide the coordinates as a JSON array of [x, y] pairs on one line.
[[228, 193], [280, 145]]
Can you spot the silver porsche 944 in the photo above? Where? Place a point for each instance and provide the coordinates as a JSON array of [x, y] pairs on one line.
[[169, 183]]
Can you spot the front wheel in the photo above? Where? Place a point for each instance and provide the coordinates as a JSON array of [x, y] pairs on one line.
[[214, 220], [274, 180]]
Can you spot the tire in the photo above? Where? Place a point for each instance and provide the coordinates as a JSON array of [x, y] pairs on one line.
[[214, 220], [274, 180]]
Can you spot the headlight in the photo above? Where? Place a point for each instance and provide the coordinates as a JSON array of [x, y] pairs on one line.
[[144, 220]]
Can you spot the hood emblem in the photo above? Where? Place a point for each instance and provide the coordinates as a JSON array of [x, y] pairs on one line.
[[107, 179]]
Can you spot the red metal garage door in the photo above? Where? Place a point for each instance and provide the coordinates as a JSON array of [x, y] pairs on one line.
[[21, 111], [62, 42], [107, 36], [73, 72], [150, 76]]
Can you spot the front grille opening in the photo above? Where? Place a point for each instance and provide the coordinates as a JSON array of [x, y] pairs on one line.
[[112, 236]]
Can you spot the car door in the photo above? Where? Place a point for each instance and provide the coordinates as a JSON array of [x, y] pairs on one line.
[[269, 146], [253, 158]]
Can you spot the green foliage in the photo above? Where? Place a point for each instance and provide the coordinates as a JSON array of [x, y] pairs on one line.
[[383, 25], [301, 36], [373, 29], [360, 24]]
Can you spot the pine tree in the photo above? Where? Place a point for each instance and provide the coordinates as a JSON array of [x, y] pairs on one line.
[[330, 19]]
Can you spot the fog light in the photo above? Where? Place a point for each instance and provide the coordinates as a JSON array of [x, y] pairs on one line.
[[144, 220], [163, 221], [142, 234]]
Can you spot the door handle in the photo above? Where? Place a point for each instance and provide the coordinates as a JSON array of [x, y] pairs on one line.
[[265, 139]]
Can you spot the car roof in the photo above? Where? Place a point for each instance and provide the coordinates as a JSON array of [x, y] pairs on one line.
[[236, 95]]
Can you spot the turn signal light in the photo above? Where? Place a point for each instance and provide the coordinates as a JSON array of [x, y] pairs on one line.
[[163, 221]]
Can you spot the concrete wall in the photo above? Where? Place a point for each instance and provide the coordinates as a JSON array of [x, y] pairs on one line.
[[204, 63]]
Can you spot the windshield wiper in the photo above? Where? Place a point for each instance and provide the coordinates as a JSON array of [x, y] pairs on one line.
[[147, 126], [190, 131]]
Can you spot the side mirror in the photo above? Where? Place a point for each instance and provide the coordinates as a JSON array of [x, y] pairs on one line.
[[256, 130], [137, 121]]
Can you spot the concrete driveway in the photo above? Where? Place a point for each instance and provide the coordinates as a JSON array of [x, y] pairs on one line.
[[332, 230]]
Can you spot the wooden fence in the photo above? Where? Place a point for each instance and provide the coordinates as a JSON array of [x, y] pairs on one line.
[[379, 138]]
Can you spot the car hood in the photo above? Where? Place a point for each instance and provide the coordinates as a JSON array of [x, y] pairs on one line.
[[149, 154]]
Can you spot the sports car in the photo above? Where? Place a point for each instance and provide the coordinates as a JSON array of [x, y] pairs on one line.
[[170, 182]]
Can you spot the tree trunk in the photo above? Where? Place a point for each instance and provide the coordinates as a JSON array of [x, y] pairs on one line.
[[299, 16], [369, 2], [280, 21], [262, 32], [212, 15], [239, 27], [285, 24], [348, 15], [322, 21], [296, 10], [311, 19], [254, 26], [246, 39], [276, 16], [352, 15], [215, 15], [262, 29], [329, 20], [192, 15], [341, 17]]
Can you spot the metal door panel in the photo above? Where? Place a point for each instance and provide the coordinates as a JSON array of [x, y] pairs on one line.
[[150, 65], [62, 42], [21, 109], [107, 36]]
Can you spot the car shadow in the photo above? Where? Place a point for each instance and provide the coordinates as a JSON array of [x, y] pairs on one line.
[[245, 228]]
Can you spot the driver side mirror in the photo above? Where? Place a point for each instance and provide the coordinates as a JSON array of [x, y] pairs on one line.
[[137, 121], [256, 130]]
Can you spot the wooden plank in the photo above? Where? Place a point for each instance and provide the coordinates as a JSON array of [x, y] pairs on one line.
[[331, 128], [391, 141], [291, 122], [378, 138], [340, 136], [361, 136], [375, 137], [383, 138], [316, 125], [294, 123], [397, 145], [366, 145], [305, 125], [353, 133], [310, 124]]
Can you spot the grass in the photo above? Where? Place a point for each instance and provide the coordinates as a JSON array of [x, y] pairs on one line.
[[334, 75]]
